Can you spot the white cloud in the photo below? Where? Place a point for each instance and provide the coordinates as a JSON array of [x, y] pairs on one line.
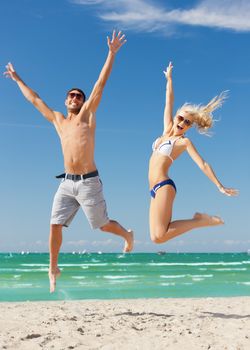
[[76, 243], [231, 242], [149, 16]]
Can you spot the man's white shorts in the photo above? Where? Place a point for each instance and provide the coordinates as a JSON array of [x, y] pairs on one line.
[[86, 193]]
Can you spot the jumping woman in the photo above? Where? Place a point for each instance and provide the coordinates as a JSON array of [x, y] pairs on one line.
[[166, 149]]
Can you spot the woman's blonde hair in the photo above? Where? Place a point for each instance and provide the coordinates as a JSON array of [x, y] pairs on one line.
[[203, 115]]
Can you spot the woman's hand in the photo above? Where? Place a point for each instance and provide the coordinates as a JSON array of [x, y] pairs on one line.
[[228, 191], [168, 71]]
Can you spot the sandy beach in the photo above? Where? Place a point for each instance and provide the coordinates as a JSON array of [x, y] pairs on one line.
[[208, 323]]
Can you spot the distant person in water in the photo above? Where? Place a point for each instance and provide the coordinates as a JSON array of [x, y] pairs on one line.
[[81, 185], [166, 149]]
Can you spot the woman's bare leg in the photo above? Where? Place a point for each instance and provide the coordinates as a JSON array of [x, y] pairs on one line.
[[161, 227]]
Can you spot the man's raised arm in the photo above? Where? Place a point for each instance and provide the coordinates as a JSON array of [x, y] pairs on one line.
[[29, 94], [95, 97]]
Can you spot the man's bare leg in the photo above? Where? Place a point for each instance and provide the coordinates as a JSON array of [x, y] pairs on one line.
[[55, 241], [178, 227], [114, 227]]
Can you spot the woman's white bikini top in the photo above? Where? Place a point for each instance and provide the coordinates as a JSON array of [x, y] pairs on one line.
[[165, 148]]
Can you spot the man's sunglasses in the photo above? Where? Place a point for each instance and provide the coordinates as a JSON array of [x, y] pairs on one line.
[[77, 95], [187, 122]]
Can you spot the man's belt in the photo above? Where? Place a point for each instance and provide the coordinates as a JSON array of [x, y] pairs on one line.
[[76, 177]]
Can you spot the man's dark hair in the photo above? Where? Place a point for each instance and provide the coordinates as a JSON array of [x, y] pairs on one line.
[[79, 90]]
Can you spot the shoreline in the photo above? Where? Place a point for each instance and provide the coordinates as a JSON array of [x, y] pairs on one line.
[[172, 323], [51, 299]]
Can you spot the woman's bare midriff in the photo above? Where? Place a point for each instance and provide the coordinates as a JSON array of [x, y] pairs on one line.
[[158, 169]]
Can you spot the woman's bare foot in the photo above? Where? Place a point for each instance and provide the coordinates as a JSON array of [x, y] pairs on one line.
[[53, 274], [207, 220], [129, 242]]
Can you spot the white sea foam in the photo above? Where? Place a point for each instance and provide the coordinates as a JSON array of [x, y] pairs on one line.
[[23, 270], [83, 283], [78, 277], [122, 281], [21, 285], [198, 264], [167, 284], [228, 269], [244, 283], [33, 264], [69, 265], [126, 264], [196, 279], [83, 266], [120, 277], [187, 275], [201, 276], [172, 276], [95, 264], [121, 256]]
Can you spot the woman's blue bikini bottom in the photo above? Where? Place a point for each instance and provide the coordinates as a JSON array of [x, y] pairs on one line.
[[161, 184]]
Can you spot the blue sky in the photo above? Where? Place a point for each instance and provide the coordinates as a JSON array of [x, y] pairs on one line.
[[56, 45]]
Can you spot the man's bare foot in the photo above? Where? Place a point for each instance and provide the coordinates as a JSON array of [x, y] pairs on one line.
[[53, 274], [207, 220], [129, 242]]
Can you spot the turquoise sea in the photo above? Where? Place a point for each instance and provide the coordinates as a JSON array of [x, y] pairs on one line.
[[111, 276]]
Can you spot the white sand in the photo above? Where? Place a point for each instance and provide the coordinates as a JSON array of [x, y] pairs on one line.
[[143, 324]]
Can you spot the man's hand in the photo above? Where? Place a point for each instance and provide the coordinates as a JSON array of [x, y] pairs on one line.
[[116, 42], [11, 73]]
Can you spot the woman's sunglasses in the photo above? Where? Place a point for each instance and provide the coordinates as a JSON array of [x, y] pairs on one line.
[[187, 122]]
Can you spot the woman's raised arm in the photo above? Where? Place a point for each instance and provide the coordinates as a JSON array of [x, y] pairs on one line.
[[168, 110]]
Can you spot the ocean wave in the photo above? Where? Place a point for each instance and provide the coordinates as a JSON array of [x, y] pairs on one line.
[[187, 275], [69, 265], [197, 279], [233, 269], [9, 269], [98, 264], [201, 276], [126, 264], [34, 264], [222, 263], [21, 285], [83, 265], [122, 281], [172, 276], [120, 277]]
